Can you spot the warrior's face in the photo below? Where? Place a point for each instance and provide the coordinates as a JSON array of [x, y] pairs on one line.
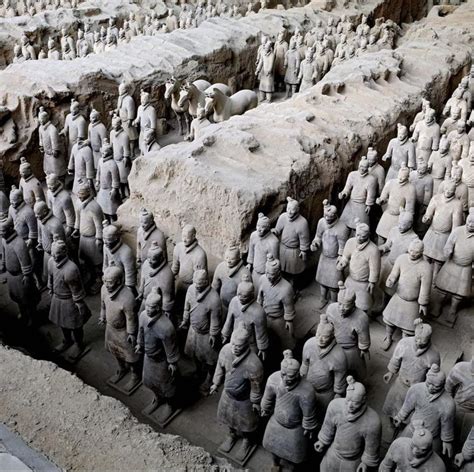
[[419, 451], [362, 235], [58, 253], [238, 346], [363, 167], [146, 221], [16, 200], [421, 341], [245, 294], [354, 402], [152, 308], [324, 339], [111, 239], [111, 282], [232, 258], [201, 283], [433, 387], [264, 227], [290, 376], [273, 275], [188, 236], [292, 209]]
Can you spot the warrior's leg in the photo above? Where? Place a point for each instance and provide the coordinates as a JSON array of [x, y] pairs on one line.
[[438, 302], [121, 371], [275, 462], [269, 97], [136, 372], [436, 267], [67, 341], [324, 296], [332, 295], [288, 91], [206, 384], [247, 443], [78, 347], [229, 441], [293, 89], [453, 309], [388, 339], [261, 96]]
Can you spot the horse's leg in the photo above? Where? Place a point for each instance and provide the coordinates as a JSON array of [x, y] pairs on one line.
[[187, 120], [178, 119]]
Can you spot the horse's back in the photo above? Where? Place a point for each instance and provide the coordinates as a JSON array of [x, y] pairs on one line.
[[201, 84], [244, 100]]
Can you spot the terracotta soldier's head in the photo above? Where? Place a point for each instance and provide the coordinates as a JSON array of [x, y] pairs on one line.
[[25, 168], [402, 132], [245, 289], [52, 182], [330, 212], [362, 233], [155, 255], [423, 333], [41, 210], [43, 116], [405, 221], [415, 249], [421, 441], [154, 303], [372, 156], [74, 108], [116, 123], [144, 98], [84, 191], [232, 256], [461, 127], [200, 280], [16, 197], [146, 219], [356, 396], [263, 225], [435, 379], [239, 341], [292, 208], [272, 269], [363, 167], [449, 188], [421, 167], [106, 151], [346, 301], [51, 43], [188, 235], [324, 332], [123, 88], [470, 221], [289, 369], [58, 249], [111, 235], [113, 278], [403, 174], [94, 116], [430, 116], [443, 144], [456, 173]]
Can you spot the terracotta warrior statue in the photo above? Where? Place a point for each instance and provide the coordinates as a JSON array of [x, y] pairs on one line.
[[376, 169], [81, 164], [50, 146], [188, 256], [60, 202], [293, 231], [88, 228], [97, 133], [155, 272], [411, 360], [262, 242], [458, 142], [68, 309], [241, 372], [413, 454], [75, 126], [202, 319], [401, 152], [351, 329], [468, 174], [361, 189], [462, 192], [351, 431], [29, 184], [324, 365], [292, 66], [292, 404], [119, 252], [465, 459], [413, 276], [426, 135], [16, 262], [281, 48], [118, 315], [460, 385], [121, 146], [309, 72], [362, 257], [228, 274], [276, 296], [157, 339], [444, 213], [429, 402], [331, 236], [422, 180], [150, 144], [244, 310], [108, 183], [440, 163], [127, 111], [146, 119], [397, 194], [147, 233], [265, 71]]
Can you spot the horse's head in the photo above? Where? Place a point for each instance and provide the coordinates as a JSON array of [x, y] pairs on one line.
[[212, 95], [184, 94], [170, 87]]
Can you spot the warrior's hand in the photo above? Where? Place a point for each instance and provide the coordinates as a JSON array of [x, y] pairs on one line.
[[212, 341], [256, 408], [314, 246], [367, 209], [303, 256], [389, 283], [319, 446], [99, 243], [30, 243], [423, 311], [183, 325], [289, 327], [41, 149], [426, 219], [225, 340], [459, 460], [39, 247], [370, 287], [75, 233], [213, 389], [385, 157], [447, 449], [69, 231], [342, 195], [264, 412], [362, 467], [388, 377], [308, 433], [365, 354], [397, 421], [262, 354], [131, 339], [172, 369], [250, 267], [138, 349], [25, 280], [102, 322]]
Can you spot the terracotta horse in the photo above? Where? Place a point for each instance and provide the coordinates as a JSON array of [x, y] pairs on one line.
[[173, 86], [194, 97], [224, 107]]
